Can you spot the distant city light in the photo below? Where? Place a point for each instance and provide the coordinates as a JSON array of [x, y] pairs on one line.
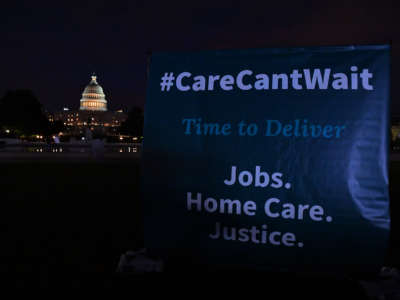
[[7, 130], [121, 138], [135, 138], [83, 138], [66, 109]]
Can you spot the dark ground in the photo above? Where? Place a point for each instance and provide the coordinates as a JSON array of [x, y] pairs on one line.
[[68, 221], [68, 224]]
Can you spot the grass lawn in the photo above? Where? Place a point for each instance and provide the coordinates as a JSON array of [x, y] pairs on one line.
[[71, 220], [74, 220]]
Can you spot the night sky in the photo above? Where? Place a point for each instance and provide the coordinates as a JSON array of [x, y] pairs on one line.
[[52, 47]]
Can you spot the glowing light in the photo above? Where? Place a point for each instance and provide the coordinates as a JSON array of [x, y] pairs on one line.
[[7, 130], [135, 138], [121, 138]]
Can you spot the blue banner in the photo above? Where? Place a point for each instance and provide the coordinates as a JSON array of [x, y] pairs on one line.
[[269, 158]]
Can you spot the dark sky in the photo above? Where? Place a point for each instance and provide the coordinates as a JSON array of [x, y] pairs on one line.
[[52, 47]]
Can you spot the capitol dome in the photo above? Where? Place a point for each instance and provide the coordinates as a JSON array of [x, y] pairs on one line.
[[93, 97]]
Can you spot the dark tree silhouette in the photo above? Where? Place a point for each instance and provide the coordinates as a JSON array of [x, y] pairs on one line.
[[22, 112], [134, 123]]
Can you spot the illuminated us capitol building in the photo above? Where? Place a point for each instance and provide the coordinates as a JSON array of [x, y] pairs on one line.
[[92, 113]]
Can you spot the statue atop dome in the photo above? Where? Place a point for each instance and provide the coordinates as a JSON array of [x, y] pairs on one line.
[[94, 77], [93, 97]]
